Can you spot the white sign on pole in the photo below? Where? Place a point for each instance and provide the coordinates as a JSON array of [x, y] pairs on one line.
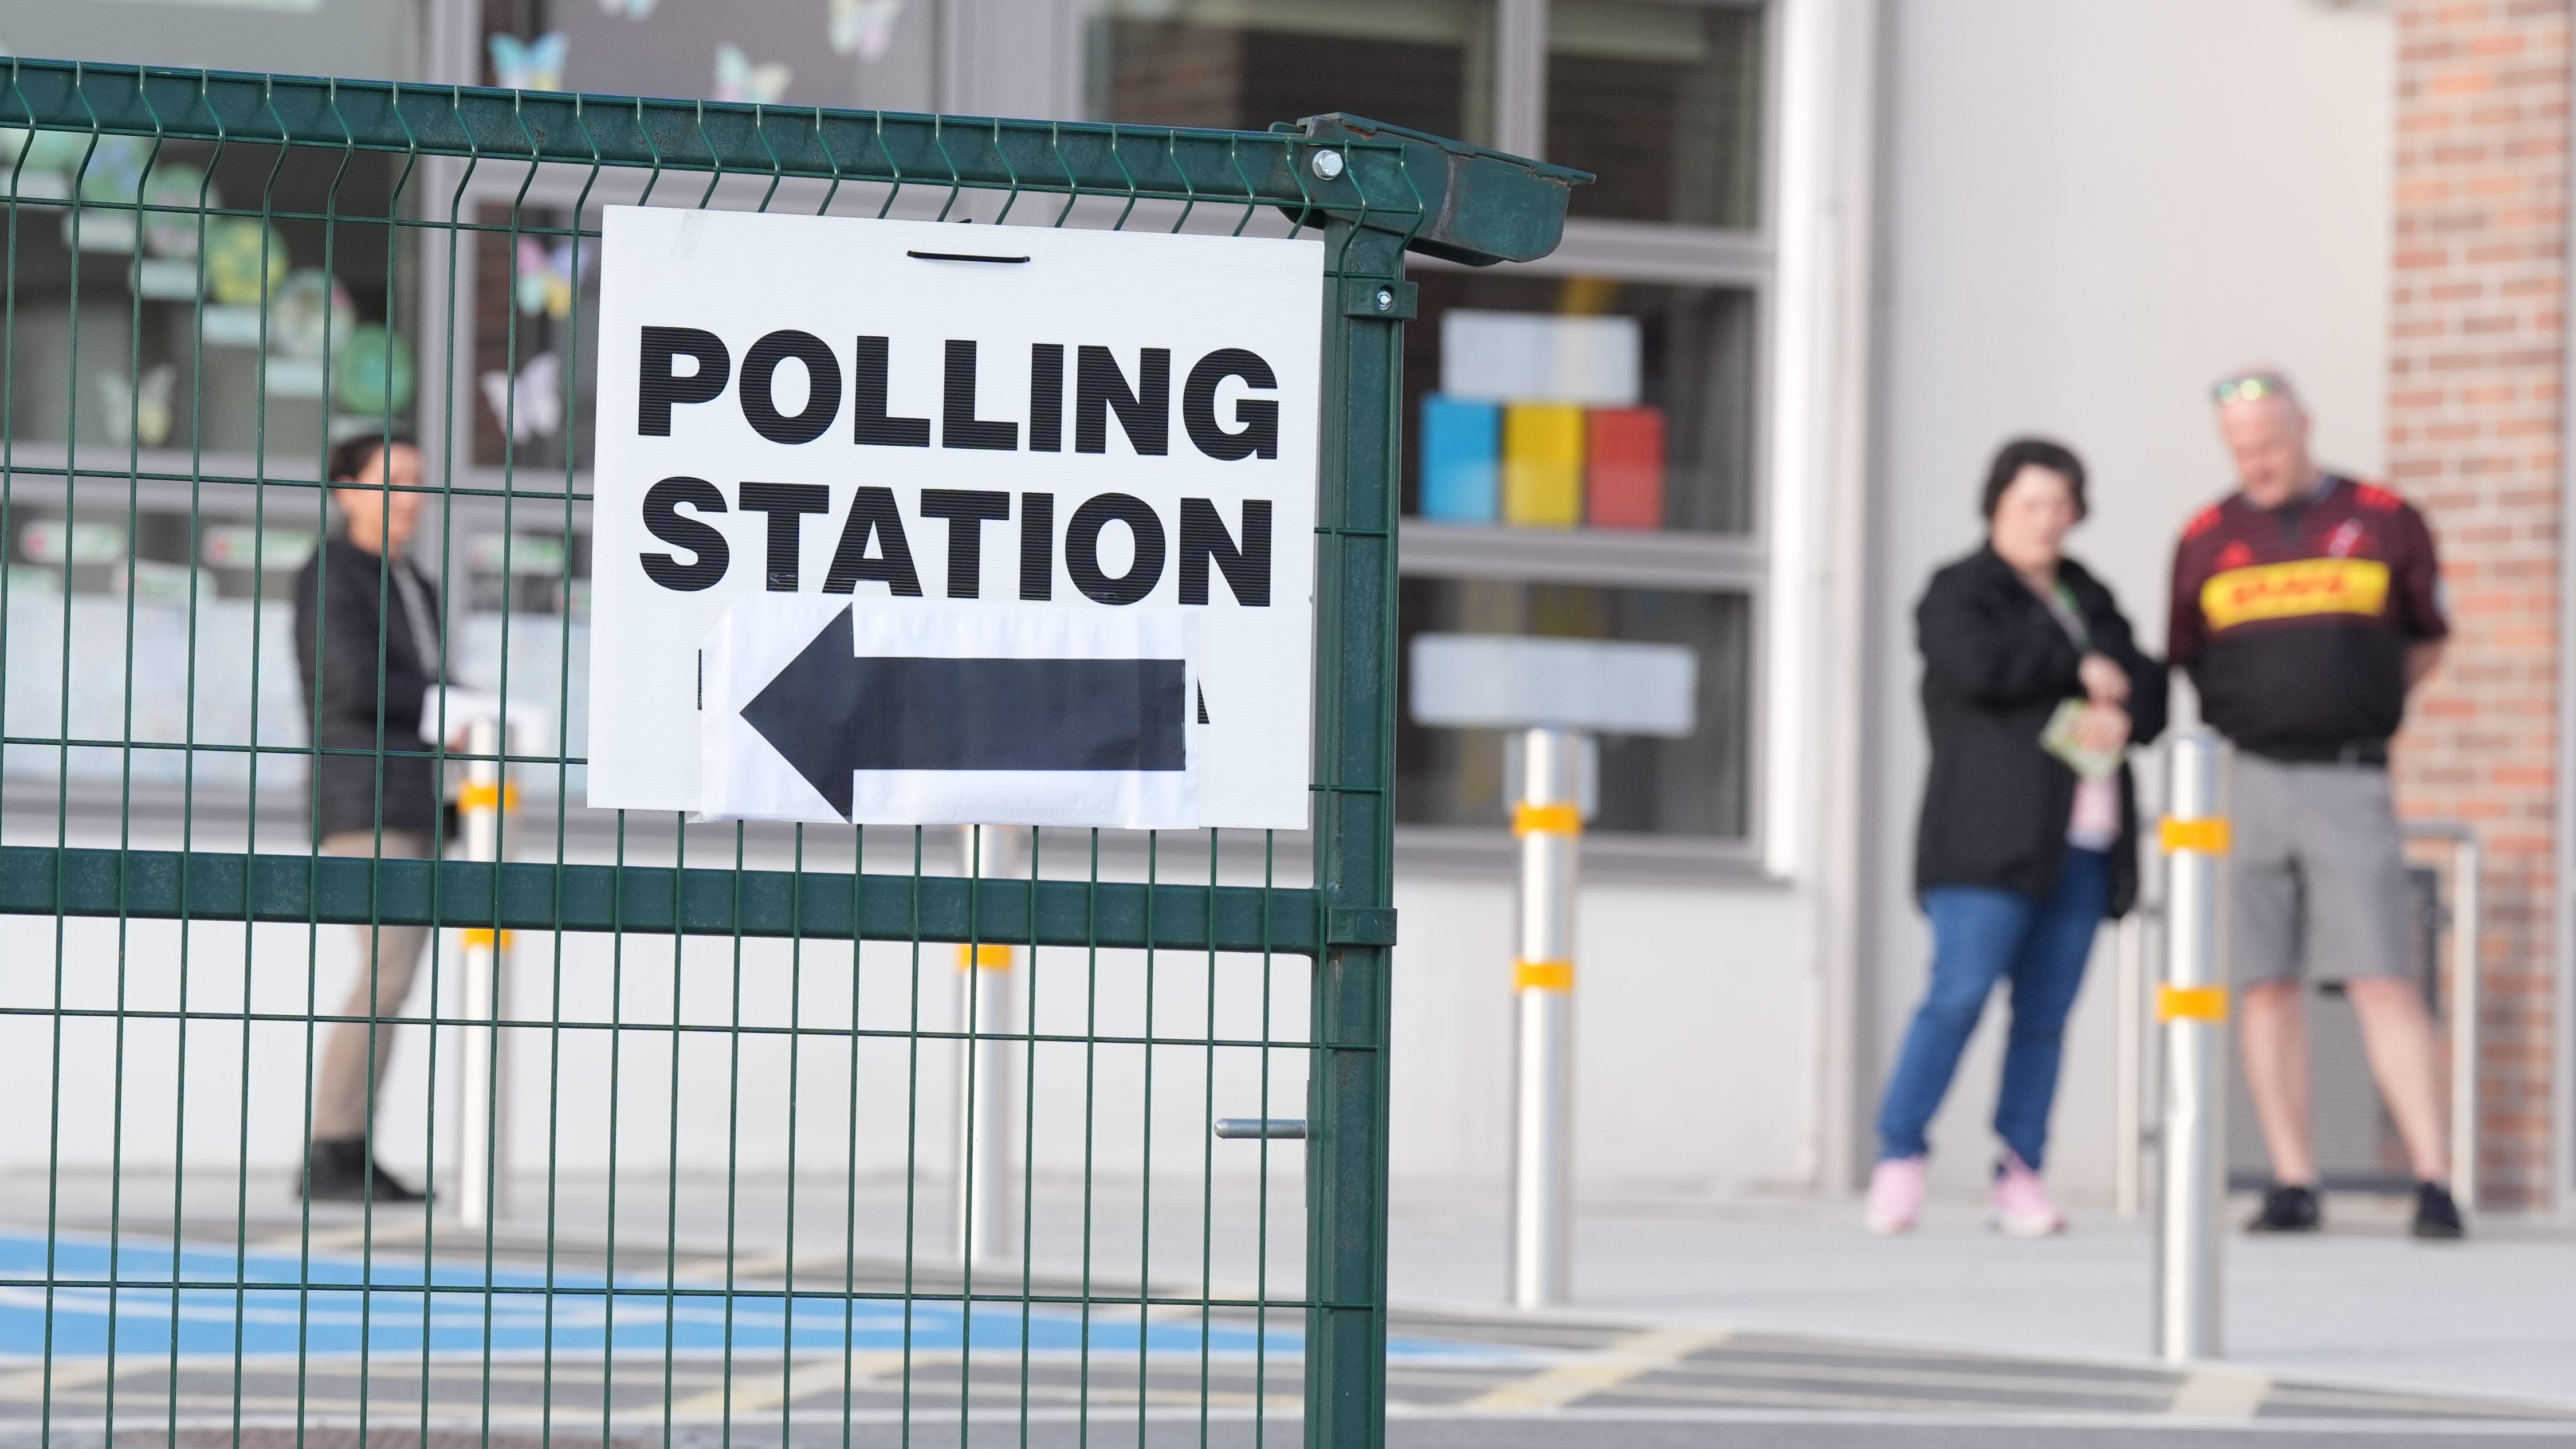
[[1513, 681], [910, 523]]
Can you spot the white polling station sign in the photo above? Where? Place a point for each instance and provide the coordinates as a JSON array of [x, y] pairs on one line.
[[917, 523]]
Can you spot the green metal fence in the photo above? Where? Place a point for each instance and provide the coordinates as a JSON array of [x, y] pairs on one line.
[[725, 1216]]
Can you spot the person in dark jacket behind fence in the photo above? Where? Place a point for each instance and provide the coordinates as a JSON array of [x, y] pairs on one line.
[[367, 646], [2019, 854]]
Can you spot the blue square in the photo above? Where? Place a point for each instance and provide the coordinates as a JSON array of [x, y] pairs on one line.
[[1461, 459]]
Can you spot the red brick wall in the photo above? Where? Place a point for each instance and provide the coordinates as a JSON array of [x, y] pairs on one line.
[[2476, 375]]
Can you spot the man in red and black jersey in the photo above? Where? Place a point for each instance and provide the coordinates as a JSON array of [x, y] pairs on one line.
[[2305, 607]]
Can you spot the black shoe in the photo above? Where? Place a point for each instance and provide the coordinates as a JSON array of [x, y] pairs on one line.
[[2436, 1216], [344, 1172], [2288, 1209]]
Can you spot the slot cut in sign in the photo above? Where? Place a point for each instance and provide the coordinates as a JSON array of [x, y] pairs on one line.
[[890, 535]]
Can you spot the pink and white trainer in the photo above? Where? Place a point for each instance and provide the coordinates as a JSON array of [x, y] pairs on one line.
[[1896, 1194], [2020, 1204]]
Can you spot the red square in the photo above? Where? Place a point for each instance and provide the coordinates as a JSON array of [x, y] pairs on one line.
[[1624, 468]]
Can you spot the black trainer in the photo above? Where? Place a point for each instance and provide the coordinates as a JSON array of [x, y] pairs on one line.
[[2288, 1209], [344, 1172], [2436, 1216]]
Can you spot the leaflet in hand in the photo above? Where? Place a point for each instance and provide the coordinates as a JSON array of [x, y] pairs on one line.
[[2064, 738]]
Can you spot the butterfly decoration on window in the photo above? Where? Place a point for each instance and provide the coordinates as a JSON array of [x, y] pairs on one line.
[[530, 405], [864, 28], [738, 80], [528, 65], [631, 9], [549, 276], [139, 411]]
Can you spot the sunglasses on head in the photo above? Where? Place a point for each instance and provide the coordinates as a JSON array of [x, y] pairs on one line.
[[2250, 387]]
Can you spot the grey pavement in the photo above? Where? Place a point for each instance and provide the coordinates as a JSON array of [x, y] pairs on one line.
[[1741, 1323], [2359, 1303]]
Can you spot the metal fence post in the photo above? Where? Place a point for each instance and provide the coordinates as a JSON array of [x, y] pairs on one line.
[[2467, 873], [985, 1075], [482, 1091], [2129, 1066], [2192, 1007], [1549, 821], [2461, 1003], [1355, 650]]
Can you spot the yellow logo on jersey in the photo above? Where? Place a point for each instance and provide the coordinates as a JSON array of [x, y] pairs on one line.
[[2295, 590]]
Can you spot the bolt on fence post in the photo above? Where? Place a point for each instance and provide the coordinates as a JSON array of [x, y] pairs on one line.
[[2192, 1007], [482, 1098], [984, 1073], [1549, 821]]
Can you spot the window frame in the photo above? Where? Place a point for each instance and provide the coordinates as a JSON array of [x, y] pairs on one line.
[[1660, 253], [1657, 253]]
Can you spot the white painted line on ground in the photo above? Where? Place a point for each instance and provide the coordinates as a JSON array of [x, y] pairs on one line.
[[32, 1383], [752, 1393], [2213, 1392], [387, 1231], [1623, 1359]]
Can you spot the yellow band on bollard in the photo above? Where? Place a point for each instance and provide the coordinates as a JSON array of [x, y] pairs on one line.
[[989, 957], [2209, 836], [1558, 819], [1542, 976], [2191, 1003], [484, 797], [482, 936]]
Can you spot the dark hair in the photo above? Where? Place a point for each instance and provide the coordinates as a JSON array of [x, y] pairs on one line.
[[351, 455], [2022, 453]]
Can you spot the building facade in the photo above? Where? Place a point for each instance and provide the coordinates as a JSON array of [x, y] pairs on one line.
[[1839, 250]]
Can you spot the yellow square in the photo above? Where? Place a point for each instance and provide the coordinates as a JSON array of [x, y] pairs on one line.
[[1542, 465]]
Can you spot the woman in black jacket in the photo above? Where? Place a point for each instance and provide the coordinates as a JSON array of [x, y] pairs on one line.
[[2019, 854]]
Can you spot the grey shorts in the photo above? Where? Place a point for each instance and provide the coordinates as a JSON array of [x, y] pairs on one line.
[[2319, 882]]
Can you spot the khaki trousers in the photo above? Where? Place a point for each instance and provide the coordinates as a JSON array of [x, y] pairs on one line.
[[355, 1054]]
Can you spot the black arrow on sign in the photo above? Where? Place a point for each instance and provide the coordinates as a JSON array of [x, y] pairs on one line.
[[832, 711]]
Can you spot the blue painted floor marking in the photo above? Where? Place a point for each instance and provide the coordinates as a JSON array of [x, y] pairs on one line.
[[252, 1303]]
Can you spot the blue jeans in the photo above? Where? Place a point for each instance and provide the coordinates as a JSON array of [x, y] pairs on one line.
[[1980, 936]]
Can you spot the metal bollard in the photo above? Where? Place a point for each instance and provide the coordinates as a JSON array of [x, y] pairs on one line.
[[1549, 822], [2468, 873], [985, 1008], [2192, 1008], [482, 1096]]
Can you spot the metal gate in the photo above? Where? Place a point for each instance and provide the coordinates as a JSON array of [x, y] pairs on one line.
[[701, 1173]]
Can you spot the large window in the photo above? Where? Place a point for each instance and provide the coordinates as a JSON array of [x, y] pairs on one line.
[[1663, 102], [1427, 64], [189, 328], [1580, 402], [203, 600], [805, 54], [1582, 433], [1692, 786], [234, 301]]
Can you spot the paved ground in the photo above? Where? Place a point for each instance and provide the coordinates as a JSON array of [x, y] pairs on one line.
[[630, 1367], [1736, 1325], [2361, 1303]]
